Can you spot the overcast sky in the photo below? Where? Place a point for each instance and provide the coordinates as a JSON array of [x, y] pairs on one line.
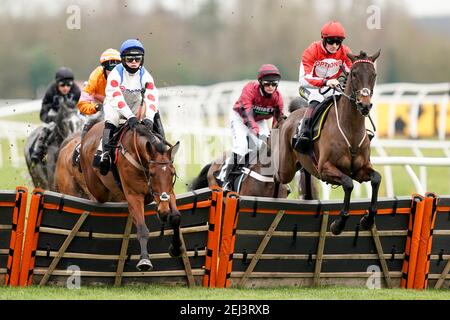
[[418, 8]]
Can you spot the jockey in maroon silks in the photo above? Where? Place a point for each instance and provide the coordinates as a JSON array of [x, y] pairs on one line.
[[258, 102]]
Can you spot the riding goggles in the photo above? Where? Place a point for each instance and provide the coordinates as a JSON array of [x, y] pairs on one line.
[[65, 83], [130, 59], [110, 66], [332, 41], [270, 83]]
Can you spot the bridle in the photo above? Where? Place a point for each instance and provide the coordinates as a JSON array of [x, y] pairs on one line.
[[365, 92], [164, 196]]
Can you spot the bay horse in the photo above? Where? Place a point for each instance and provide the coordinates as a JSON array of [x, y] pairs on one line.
[[67, 122], [68, 178], [145, 166], [342, 152], [258, 181]]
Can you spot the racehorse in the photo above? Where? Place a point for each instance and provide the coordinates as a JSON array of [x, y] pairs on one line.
[[256, 181], [144, 164], [341, 154], [42, 173], [68, 177]]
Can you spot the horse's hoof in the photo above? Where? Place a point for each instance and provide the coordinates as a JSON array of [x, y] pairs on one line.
[[367, 222], [336, 228], [144, 265], [174, 252]]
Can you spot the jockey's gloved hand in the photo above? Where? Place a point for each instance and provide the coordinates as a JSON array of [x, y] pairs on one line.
[[333, 83], [132, 122], [98, 107], [148, 124]]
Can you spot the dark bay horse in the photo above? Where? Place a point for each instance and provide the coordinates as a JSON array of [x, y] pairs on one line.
[[260, 184], [67, 122], [145, 167], [68, 178], [342, 152]]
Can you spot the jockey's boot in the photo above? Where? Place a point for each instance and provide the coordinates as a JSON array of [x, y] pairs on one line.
[[233, 167], [105, 160], [39, 147], [303, 137], [88, 125], [158, 126]]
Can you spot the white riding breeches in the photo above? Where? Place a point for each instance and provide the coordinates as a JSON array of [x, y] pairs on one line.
[[240, 133]]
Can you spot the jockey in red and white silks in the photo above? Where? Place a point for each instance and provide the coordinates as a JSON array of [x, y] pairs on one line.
[[322, 63], [324, 60]]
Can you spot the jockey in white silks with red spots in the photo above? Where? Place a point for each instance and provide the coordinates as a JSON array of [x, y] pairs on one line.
[[129, 86], [322, 63]]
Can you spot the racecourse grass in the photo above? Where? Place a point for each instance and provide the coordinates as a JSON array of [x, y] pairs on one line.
[[160, 292]]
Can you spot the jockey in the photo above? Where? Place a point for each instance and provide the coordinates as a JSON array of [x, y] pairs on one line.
[[321, 65], [258, 101], [93, 93], [129, 87], [63, 91]]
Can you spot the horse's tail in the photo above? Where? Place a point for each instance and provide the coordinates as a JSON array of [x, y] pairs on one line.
[[297, 103], [201, 181]]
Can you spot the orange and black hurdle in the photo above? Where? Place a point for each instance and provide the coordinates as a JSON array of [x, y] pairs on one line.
[[13, 207], [273, 242], [227, 241], [65, 233]]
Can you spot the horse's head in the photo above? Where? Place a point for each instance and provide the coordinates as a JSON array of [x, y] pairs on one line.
[[362, 80], [67, 120], [162, 175]]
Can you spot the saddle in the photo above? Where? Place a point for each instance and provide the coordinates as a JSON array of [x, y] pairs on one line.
[[318, 120], [238, 177], [113, 143]]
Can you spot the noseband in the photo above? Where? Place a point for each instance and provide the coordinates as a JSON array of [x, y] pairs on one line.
[[365, 92]]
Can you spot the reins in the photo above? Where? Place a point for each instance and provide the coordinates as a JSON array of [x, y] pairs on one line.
[[353, 100]]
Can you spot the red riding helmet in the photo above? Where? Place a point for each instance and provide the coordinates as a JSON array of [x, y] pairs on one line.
[[332, 29], [269, 71]]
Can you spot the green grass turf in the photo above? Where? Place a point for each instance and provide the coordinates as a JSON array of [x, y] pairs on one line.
[[160, 292]]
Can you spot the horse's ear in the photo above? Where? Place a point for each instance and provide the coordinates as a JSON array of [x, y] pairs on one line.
[[149, 148], [375, 55], [173, 150], [351, 56]]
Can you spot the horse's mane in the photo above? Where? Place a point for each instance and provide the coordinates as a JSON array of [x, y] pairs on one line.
[[150, 136]]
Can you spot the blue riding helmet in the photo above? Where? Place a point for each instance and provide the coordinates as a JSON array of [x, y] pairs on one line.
[[127, 47]]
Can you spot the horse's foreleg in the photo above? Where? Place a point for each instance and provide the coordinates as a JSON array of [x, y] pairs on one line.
[[175, 221], [368, 173], [333, 175], [305, 183], [339, 224], [136, 208]]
